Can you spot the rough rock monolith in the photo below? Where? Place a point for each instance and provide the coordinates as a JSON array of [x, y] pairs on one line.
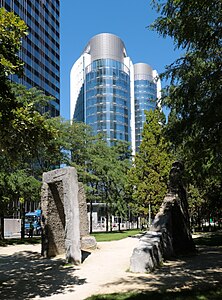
[[170, 233], [60, 214]]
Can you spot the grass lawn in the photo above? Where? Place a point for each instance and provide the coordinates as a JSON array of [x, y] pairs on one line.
[[215, 293], [209, 239], [114, 235], [100, 237]]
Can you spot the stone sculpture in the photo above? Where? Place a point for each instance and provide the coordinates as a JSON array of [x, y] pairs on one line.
[[170, 232], [88, 242], [60, 210]]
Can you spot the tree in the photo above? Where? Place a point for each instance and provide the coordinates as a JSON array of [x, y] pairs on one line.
[[123, 163], [23, 188], [194, 93], [12, 30], [26, 129], [195, 202], [111, 164], [105, 172], [22, 127], [28, 147], [102, 168], [148, 177], [16, 186], [195, 89], [80, 140]]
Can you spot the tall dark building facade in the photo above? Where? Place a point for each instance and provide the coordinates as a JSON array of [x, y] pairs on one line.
[[41, 48]]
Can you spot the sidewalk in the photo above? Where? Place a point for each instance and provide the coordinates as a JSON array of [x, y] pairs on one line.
[[24, 274]]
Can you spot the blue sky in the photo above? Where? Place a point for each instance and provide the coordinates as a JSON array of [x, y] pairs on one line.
[[80, 20]]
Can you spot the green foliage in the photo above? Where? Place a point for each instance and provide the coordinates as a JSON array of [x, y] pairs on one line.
[[27, 128], [194, 93], [12, 30], [22, 127], [17, 185], [192, 24], [195, 199], [50, 153], [80, 141], [102, 168], [196, 105], [148, 177], [25, 136]]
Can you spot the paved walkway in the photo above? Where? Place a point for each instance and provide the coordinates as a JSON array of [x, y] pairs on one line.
[[25, 275]]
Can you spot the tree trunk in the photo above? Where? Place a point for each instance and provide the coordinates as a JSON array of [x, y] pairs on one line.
[[129, 218], [90, 217], [107, 219], [119, 223], [137, 222], [23, 222], [2, 235], [198, 220], [110, 222]]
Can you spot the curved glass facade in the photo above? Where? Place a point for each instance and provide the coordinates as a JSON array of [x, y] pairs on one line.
[[110, 93], [107, 99], [145, 93], [79, 111]]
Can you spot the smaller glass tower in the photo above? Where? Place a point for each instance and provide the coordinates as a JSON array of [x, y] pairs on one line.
[[145, 97]]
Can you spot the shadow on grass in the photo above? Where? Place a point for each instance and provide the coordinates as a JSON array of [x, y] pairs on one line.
[[190, 277], [209, 239], [26, 274], [214, 293]]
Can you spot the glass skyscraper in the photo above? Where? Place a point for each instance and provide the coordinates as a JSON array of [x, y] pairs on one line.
[[109, 93], [41, 48], [145, 97], [100, 88]]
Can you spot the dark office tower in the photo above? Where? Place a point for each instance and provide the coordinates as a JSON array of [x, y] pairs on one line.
[[40, 49]]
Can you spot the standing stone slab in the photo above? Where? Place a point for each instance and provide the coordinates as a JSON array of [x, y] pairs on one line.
[[60, 209], [84, 222], [170, 232], [88, 242]]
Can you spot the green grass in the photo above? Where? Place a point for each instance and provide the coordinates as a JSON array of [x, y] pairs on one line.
[[209, 239], [114, 235], [100, 237], [215, 293]]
